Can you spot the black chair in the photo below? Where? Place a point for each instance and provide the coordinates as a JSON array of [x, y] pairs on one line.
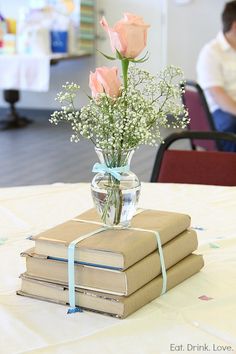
[[13, 119], [193, 166], [200, 116]]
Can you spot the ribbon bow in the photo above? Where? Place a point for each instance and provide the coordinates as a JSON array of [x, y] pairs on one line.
[[114, 171]]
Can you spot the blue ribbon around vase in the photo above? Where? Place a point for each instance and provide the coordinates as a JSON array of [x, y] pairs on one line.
[[114, 171], [71, 261]]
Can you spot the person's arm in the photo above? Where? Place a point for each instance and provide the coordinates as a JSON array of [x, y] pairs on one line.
[[221, 97]]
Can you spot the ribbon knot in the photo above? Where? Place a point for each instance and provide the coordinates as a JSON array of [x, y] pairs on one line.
[[114, 171]]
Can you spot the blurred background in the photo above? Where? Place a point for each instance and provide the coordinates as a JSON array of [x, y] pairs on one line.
[[57, 40]]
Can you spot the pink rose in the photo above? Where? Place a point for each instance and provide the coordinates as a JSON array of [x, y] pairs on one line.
[[105, 80], [128, 36]]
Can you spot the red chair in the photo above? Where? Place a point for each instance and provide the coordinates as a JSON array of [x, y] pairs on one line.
[[195, 167], [200, 116]]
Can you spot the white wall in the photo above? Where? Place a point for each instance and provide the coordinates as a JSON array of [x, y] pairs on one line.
[[10, 8], [78, 71], [75, 70], [190, 26], [153, 12]]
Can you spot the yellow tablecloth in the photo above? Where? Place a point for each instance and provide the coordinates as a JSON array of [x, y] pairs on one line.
[[175, 322]]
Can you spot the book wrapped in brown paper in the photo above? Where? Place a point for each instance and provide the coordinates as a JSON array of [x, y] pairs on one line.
[[112, 281], [118, 249], [119, 306]]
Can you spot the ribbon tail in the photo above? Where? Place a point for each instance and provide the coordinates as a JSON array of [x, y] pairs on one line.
[[116, 175], [74, 310], [3, 240], [95, 168]]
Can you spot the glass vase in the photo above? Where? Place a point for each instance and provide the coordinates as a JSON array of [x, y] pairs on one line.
[[115, 197]]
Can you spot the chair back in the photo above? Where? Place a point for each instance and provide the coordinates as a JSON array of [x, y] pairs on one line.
[[200, 116], [195, 167]]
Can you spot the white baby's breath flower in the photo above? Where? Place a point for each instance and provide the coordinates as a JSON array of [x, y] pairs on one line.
[[134, 118]]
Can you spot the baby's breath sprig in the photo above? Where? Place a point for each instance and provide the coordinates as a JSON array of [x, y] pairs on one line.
[[146, 104]]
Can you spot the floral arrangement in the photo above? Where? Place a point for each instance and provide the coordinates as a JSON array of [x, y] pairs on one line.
[[124, 112], [124, 115]]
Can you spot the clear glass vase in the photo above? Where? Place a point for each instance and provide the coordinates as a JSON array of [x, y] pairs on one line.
[[115, 199]]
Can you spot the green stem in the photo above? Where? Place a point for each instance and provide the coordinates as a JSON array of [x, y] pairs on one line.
[[119, 209], [113, 199], [114, 194], [125, 66]]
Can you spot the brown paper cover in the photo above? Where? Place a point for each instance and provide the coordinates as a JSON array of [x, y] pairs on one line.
[[120, 282], [120, 306], [115, 248]]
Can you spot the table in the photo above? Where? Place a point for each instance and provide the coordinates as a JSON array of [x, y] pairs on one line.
[[26, 72], [178, 319]]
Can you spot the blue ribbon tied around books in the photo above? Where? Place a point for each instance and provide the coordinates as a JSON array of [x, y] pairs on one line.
[[71, 260], [113, 171]]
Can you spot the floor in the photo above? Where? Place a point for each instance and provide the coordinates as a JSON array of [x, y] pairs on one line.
[[42, 154]]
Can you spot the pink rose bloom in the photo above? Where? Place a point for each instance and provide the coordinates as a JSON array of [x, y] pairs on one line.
[[128, 36], [105, 80]]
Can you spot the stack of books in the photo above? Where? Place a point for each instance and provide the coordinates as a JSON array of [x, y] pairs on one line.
[[116, 271]]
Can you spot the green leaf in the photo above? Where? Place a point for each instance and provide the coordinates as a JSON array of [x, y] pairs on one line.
[[106, 56], [138, 61], [119, 55], [145, 56], [141, 60]]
